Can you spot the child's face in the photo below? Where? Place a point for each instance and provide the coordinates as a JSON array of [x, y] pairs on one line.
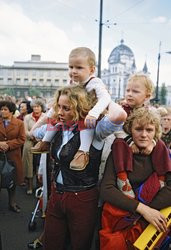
[[136, 94], [79, 69]]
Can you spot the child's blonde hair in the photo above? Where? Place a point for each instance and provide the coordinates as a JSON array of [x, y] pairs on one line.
[[85, 52], [144, 79], [162, 111]]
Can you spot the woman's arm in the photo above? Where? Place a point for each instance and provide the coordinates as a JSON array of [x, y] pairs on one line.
[[20, 137], [153, 216], [111, 194]]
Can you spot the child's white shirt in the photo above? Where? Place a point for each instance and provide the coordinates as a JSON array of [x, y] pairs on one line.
[[102, 95]]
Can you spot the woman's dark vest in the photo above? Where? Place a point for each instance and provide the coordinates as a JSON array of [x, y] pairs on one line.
[[72, 178]]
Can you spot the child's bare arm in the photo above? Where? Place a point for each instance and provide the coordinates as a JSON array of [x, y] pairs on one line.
[[149, 149]]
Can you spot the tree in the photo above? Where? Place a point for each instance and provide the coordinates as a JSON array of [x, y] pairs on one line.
[[8, 91], [34, 92], [163, 93]]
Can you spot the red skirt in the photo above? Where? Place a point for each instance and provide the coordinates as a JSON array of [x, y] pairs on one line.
[[118, 233]]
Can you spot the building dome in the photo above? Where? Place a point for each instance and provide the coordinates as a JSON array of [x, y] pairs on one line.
[[118, 52]]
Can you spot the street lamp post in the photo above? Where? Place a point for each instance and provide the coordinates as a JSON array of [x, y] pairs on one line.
[[100, 38], [158, 73]]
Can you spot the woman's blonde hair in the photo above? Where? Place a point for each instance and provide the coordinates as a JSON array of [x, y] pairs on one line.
[[145, 80], [144, 116], [79, 100], [85, 52]]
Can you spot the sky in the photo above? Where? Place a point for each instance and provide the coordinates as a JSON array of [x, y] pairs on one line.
[[52, 28]]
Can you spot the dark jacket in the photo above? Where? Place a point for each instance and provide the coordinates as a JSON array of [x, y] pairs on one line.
[[71, 178]]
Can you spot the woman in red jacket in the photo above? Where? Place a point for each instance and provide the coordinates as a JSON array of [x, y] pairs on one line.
[[12, 137]]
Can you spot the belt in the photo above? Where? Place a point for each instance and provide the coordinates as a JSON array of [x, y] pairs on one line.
[[60, 189]]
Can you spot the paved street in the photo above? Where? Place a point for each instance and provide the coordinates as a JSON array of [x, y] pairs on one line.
[[14, 227]]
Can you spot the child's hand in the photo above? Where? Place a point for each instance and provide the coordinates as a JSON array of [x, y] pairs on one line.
[[135, 149], [90, 121], [148, 150], [40, 178]]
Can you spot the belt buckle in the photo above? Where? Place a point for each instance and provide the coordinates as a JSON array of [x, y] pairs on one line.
[[59, 192]]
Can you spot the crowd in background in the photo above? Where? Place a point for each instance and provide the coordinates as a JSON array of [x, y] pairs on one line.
[[28, 111]]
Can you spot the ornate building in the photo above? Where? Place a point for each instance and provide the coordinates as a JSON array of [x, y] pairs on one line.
[[121, 64]]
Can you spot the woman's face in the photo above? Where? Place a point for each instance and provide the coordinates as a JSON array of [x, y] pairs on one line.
[[65, 111], [37, 109], [142, 135], [166, 123], [23, 108], [5, 113]]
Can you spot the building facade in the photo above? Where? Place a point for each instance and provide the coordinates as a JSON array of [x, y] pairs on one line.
[[121, 64], [44, 76]]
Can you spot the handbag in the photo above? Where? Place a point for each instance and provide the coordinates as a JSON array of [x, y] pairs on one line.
[[7, 173]]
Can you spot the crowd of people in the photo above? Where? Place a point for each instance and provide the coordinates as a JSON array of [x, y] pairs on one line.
[[131, 187]]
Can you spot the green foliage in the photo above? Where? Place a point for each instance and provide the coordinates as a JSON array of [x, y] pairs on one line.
[[163, 93], [34, 92], [8, 91]]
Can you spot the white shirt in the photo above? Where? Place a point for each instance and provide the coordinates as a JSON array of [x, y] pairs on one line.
[[102, 95]]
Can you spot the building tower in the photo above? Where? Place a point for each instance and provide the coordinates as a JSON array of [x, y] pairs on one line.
[[121, 64]]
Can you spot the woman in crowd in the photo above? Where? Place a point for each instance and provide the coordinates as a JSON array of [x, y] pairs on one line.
[[24, 109], [166, 128], [124, 218], [12, 137], [72, 207], [29, 120]]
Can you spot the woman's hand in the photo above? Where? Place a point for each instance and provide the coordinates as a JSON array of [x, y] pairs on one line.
[[153, 216], [3, 146]]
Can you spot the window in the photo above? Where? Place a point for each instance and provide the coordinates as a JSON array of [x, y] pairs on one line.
[[18, 73], [64, 81], [48, 81], [41, 73], [49, 73], [9, 72], [18, 81], [9, 80], [26, 72], [34, 82], [41, 81], [34, 73], [56, 82], [25, 81]]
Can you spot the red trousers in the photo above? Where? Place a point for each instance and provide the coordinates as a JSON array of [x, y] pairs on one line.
[[72, 214], [120, 239]]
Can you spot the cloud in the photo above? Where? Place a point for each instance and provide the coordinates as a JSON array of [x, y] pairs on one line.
[[77, 27], [159, 19], [20, 37]]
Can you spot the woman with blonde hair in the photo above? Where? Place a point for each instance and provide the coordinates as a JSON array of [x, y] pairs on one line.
[[124, 217], [73, 203]]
